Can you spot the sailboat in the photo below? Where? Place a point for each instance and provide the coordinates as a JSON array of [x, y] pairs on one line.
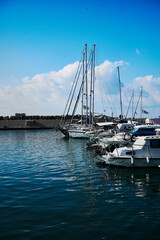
[[87, 119]]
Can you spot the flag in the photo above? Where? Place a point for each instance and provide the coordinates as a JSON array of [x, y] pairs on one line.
[[144, 111]]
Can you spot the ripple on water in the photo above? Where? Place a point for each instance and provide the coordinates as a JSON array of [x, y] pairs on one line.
[[51, 188]]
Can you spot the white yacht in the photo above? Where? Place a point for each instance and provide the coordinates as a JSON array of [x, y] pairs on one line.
[[145, 152], [83, 92], [79, 132]]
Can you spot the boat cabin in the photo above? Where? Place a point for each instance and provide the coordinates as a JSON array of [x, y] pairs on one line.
[[145, 130], [142, 147]]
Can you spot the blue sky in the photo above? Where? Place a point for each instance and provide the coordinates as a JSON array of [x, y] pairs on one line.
[[38, 37]]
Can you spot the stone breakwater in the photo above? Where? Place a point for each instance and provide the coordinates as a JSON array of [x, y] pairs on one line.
[[23, 121], [29, 122]]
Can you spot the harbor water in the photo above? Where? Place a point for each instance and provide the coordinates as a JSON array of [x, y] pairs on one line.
[[52, 188]]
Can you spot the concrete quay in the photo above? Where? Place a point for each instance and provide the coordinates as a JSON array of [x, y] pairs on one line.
[[29, 122]]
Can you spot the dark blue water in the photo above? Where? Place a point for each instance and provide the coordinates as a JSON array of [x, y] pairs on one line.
[[51, 188]]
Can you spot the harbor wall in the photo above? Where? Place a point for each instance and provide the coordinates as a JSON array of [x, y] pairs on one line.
[[29, 124], [22, 121]]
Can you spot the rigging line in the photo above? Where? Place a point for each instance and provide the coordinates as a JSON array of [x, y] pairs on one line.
[[100, 89], [63, 117], [107, 85], [82, 97], [82, 84], [72, 94], [129, 104], [99, 85], [89, 62], [109, 91], [88, 68], [98, 60], [137, 105], [91, 86], [106, 93], [125, 95], [109, 98], [74, 90], [75, 106], [103, 105], [129, 101]]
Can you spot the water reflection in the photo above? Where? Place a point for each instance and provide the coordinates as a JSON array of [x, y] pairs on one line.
[[52, 186], [145, 181]]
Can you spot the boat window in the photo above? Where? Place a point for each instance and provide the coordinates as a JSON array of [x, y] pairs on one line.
[[130, 153], [155, 143], [147, 129]]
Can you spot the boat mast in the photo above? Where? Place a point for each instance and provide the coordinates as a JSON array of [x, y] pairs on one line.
[[120, 92], [133, 105], [137, 104], [141, 100], [82, 87], [93, 68], [86, 84], [91, 91], [129, 104]]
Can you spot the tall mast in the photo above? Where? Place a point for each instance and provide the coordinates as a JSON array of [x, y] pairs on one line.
[[120, 92], [86, 83], [82, 87], [137, 104], [133, 104], [141, 100], [129, 105], [91, 90], [93, 68]]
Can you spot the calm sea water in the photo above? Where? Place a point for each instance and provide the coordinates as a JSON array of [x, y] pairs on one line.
[[51, 188]]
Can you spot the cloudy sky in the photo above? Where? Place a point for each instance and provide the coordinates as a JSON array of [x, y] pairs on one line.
[[42, 41]]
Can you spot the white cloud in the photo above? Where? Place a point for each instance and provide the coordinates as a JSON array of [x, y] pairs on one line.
[[151, 85], [47, 93], [150, 93], [43, 94]]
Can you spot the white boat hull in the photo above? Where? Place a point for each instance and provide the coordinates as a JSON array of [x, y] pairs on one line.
[[132, 162], [78, 134]]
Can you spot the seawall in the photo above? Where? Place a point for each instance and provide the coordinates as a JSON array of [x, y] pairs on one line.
[[29, 124], [21, 121]]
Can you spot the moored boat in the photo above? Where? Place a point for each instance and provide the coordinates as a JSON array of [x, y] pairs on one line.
[[87, 119], [145, 152]]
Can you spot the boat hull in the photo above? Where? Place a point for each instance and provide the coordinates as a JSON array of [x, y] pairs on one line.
[[78, 134], [132, 162]]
